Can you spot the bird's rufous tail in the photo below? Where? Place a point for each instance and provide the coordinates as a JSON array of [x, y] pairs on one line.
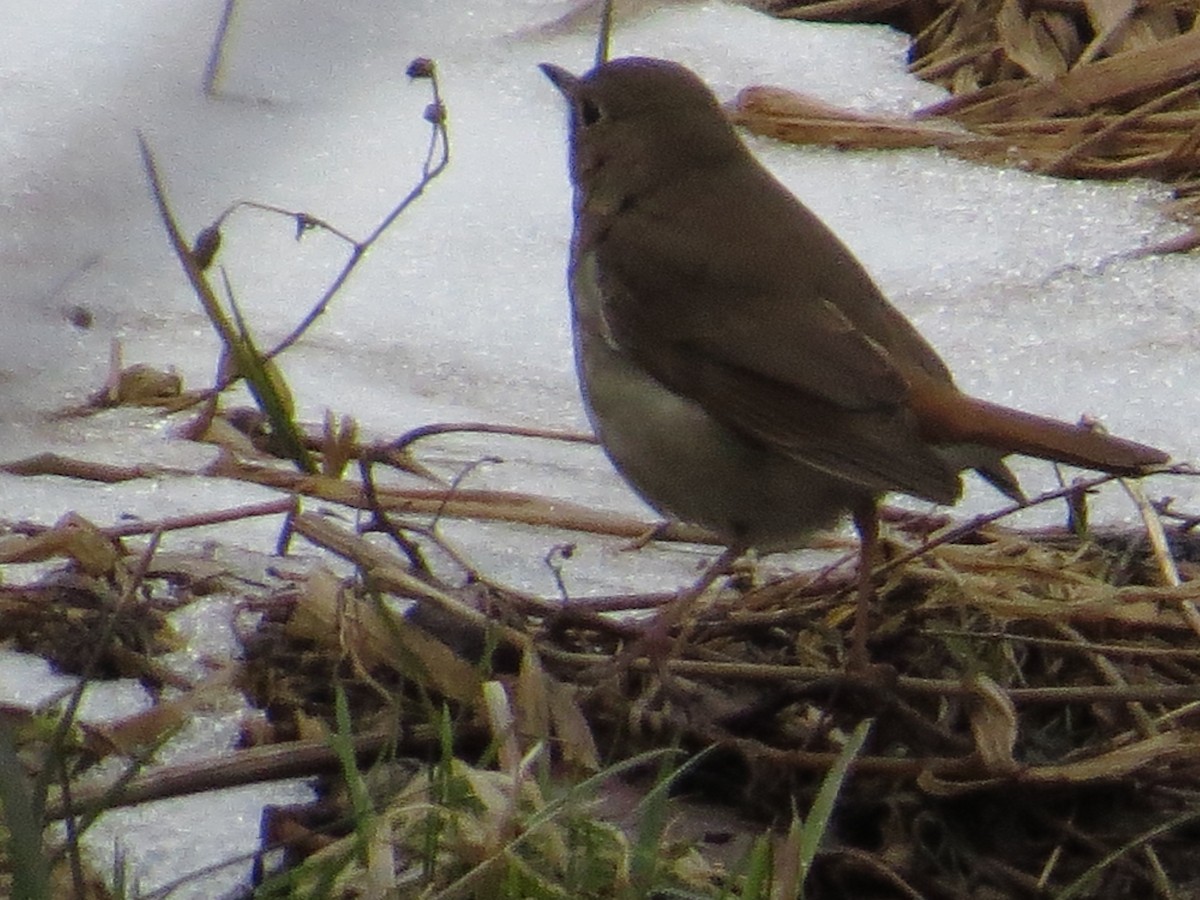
[[947, 416]]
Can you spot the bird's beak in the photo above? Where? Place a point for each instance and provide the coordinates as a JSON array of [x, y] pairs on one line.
[[561, 79]]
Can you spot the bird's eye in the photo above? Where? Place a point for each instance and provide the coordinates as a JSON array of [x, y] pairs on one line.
[[589, 112]]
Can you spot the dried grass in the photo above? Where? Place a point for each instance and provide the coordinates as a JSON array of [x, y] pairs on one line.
[[1072, 88], [1036, 701]]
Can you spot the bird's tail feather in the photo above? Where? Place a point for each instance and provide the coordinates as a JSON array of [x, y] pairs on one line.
[[948, 416]]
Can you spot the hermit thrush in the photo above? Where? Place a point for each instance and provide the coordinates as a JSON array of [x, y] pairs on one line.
[[738, 364]]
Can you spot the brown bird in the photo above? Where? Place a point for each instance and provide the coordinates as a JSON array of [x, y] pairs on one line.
[[740, 367]]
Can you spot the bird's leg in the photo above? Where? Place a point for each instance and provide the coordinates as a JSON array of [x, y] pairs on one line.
[[650, 534], [866, 522], [677, 609], [655, 642]]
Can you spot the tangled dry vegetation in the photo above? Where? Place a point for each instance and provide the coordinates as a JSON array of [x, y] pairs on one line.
[[1034, 708], [1073, 88]]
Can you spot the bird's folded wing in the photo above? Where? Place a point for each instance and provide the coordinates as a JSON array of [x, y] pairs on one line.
[[779, 337], [878, 448]]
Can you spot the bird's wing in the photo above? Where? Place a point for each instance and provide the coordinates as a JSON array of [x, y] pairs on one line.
[[778, 332], [879, 448]]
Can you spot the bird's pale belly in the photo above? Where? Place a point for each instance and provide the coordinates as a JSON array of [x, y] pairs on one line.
[[689, 466]]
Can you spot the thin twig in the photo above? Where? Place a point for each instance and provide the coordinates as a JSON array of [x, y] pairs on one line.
[[437, 157], [212, 68]]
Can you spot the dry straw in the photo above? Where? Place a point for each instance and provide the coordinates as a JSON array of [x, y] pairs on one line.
[[1073, 88]]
